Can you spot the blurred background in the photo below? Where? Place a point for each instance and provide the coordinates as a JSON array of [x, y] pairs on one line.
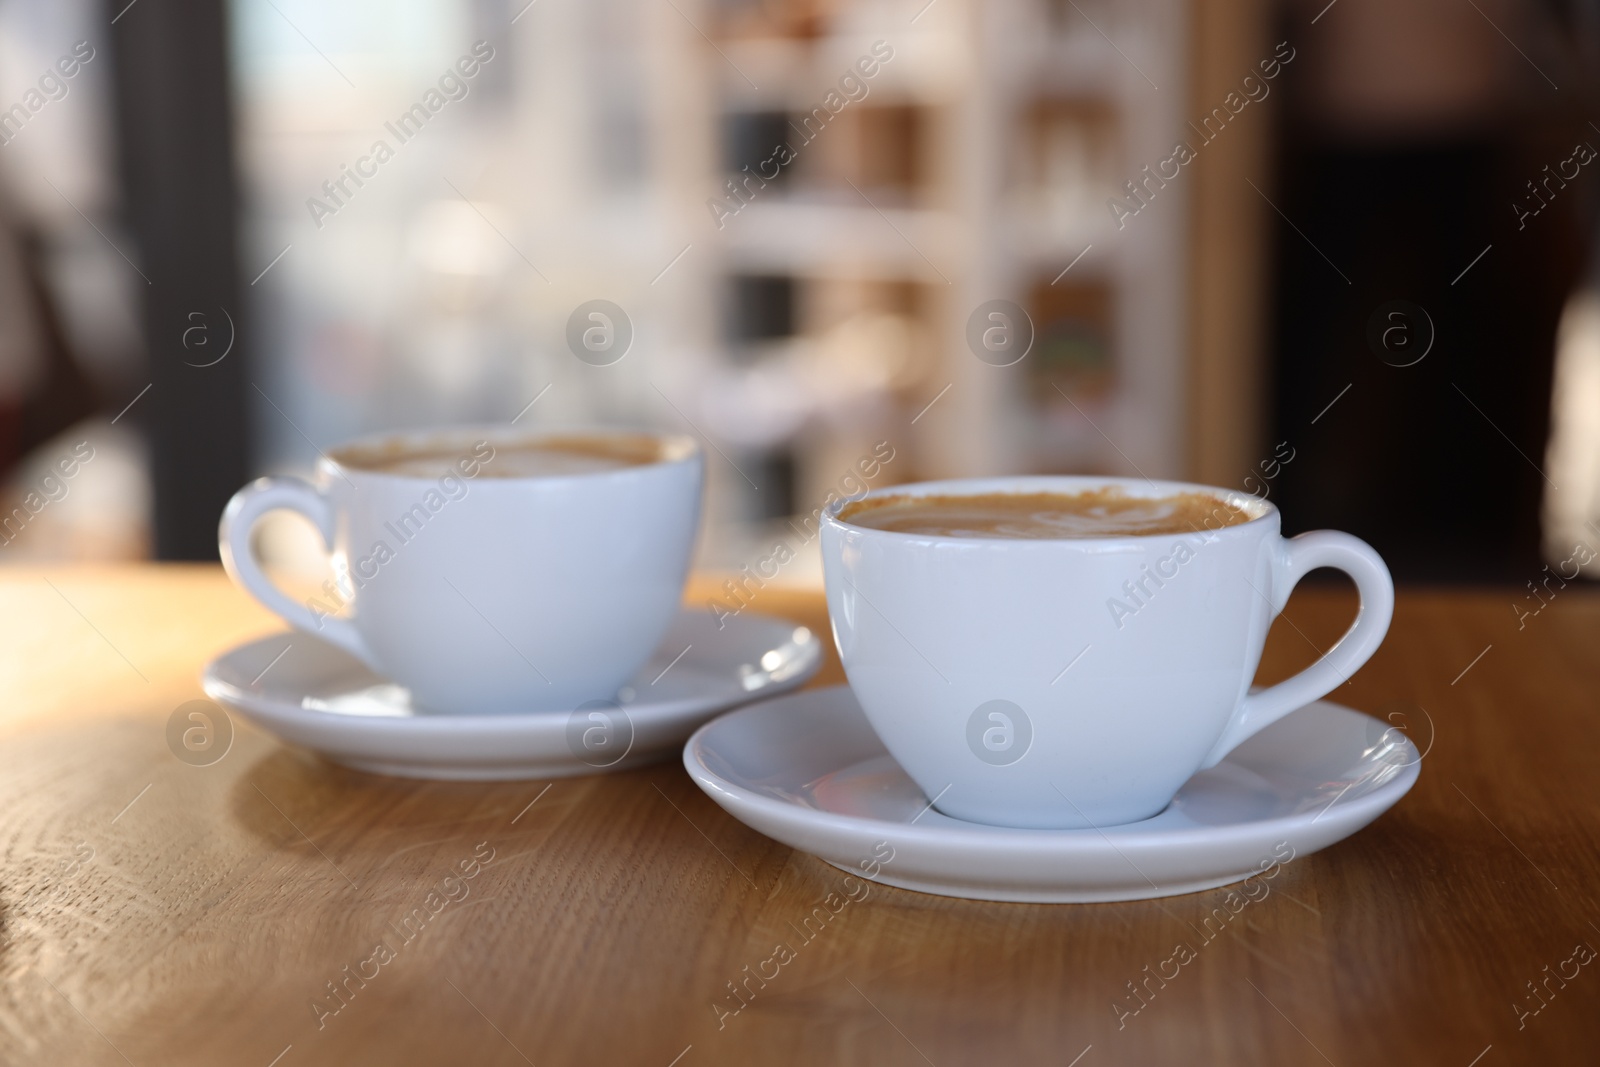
[[1340, 254]]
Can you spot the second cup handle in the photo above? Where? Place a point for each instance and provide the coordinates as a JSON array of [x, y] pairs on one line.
[[233, 544], [1300, 555]]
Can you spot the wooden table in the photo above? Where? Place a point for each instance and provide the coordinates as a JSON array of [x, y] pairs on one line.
[[153, 912]]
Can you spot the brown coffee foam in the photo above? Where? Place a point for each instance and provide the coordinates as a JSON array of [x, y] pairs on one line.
[[1105, 512], [402, 455]]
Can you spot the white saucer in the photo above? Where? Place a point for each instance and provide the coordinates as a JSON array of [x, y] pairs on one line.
[[311, 694], [808, 770]]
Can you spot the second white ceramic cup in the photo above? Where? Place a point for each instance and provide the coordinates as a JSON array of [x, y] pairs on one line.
[[485, 594], [1077, 682]]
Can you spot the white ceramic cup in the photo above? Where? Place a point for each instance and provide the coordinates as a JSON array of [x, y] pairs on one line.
[[1077, 682], [489, 594]]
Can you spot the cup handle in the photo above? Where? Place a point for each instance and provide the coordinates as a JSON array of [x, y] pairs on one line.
[[1295, 558], [238, 559]]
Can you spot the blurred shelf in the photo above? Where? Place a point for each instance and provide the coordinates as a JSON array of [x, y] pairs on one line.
[[801, 237], [793, 75], [1077, 64]]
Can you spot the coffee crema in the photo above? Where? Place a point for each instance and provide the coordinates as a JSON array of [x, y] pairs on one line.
[[543, 457], [1108, 512]]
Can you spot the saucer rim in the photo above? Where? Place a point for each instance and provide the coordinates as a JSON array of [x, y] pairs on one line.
[[1117, 838], [645, 713]]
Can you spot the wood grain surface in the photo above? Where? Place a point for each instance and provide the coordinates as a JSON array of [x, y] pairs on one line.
[[153, 912]]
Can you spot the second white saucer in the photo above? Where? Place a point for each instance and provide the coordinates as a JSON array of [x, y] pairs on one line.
[[807, 770], [311, 694]]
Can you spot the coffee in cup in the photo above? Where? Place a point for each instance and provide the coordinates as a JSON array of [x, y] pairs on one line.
[[490, 570], [550, 456], [1048, 516], [1059, 652]]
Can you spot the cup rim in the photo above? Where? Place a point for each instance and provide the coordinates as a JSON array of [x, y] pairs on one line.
[[674, 449], [1262, 511]]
